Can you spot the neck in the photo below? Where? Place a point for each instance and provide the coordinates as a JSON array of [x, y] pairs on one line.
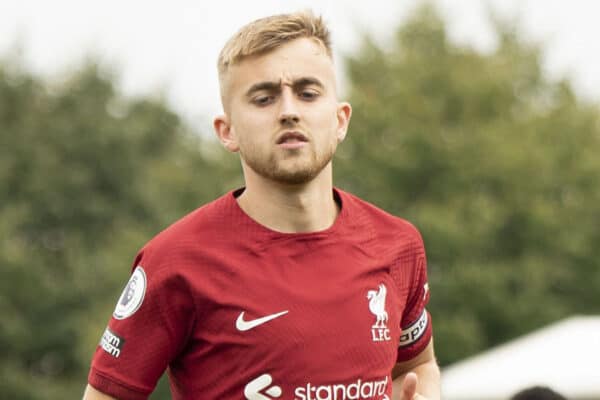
[[307, 207]]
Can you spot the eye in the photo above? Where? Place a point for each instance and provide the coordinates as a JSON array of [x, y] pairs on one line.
[[308, 95], [263, 100]]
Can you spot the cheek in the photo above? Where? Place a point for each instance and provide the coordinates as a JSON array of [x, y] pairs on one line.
[[325, 116], [329, 123], [253, 136], [248, 127]]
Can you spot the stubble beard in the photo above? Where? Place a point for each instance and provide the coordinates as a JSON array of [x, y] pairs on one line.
[[292, 168]]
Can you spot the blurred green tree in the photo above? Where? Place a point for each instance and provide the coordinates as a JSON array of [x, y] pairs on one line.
[[86, 177], [496, 164]]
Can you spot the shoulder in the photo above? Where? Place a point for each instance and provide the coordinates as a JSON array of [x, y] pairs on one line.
[[187, 235], [382, 222]]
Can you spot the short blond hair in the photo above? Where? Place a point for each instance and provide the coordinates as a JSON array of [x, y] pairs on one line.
[[266, 34]]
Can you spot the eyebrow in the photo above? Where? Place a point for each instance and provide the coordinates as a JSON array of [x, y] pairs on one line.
[[271, 86]]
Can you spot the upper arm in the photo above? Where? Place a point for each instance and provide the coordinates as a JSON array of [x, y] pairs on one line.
[[415, 323], [93, 394], [150, 325]]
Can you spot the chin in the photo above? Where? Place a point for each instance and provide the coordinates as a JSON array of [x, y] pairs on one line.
[[295, 178], [298, 175], [296, 171]]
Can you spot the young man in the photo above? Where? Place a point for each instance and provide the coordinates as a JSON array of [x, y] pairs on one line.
[[286, 288]]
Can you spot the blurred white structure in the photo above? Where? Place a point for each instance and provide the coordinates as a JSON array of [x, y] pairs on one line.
[[564, 356]]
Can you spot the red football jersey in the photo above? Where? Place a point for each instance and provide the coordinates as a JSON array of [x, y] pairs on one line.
[[235, 310]]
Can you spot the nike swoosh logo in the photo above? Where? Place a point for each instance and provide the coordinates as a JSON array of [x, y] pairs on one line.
[[242, 325]]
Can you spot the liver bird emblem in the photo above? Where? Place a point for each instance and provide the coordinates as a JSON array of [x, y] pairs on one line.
[[377, 306]]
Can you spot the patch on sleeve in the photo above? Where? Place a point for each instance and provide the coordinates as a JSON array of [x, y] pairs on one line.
[[112, 343], [415, 331], [133, 295]]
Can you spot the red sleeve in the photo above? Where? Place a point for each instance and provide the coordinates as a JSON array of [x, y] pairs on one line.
[[416, 321], [149, 327]]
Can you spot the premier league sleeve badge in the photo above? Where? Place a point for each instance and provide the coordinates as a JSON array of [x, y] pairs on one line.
[[133, 295]]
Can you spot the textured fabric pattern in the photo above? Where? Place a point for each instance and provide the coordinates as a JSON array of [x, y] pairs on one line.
[[322, 312]]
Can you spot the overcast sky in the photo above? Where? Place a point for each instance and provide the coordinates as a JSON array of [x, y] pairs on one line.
[[172, 46]]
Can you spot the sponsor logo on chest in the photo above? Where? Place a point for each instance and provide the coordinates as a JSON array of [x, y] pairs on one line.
[[379, 330], [262, 388]]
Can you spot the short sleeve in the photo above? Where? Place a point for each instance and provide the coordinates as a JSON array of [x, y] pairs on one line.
[[150, 325], [416, 321]]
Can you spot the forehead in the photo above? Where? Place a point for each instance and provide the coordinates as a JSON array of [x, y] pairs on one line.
[[299, 58]]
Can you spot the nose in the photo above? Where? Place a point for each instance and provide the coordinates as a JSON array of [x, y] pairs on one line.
[[288, 113]]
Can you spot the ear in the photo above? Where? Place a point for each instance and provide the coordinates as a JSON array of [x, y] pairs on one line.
[[343, 113], [226, 133]]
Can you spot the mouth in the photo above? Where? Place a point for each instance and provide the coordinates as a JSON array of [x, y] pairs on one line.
[[292, 140], [292, 137]]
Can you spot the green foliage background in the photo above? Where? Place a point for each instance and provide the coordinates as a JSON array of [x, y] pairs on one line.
[[495, 164]]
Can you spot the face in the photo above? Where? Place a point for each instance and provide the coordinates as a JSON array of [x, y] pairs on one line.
[[282, 113]]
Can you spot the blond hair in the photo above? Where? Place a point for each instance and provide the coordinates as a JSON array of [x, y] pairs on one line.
[[266, 34]]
